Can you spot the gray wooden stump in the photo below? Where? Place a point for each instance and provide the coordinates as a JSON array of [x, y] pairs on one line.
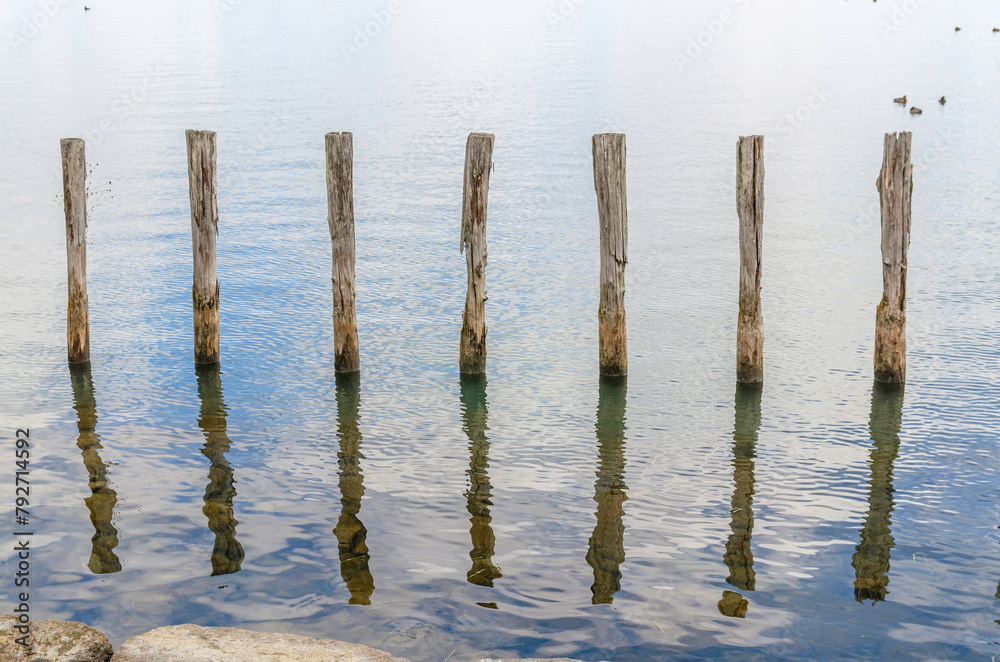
[[895, 186], [340, 216], [750, 208], [478, 160], [609, 182], [74, 167], [204, 229]]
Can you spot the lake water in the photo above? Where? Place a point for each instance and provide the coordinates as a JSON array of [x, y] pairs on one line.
[[538, 512]]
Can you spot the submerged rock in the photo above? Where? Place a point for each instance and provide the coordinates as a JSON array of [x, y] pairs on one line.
[[193, 643], [53, 641]]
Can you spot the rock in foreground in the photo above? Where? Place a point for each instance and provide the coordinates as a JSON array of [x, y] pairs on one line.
[[53, 641], [193, 643]]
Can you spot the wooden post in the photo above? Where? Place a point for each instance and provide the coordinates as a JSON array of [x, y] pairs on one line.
[[74, 167], [204, 229], [609, 182], [750, 208], [478, 161], [340, 216], [895, 186]]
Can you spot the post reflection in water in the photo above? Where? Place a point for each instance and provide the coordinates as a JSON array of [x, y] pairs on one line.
[[871, 556], [351, 533], [607, 544], [227, 555], [102, 500], [739, 555], [475, 413]]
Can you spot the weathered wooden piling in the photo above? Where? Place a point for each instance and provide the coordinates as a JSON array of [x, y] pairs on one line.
[[609, 182], [750, 208], [340, 216], [478, 161], [204, 229], [895, 186], [74, 167]]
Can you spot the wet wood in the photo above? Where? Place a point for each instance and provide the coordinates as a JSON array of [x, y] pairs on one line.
[[340, 216], [750, 209], [609, 182], [895, 187], [74, 167], [478, 161], [204, 230]]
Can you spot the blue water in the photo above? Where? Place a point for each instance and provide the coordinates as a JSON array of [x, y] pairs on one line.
[[614, 521]]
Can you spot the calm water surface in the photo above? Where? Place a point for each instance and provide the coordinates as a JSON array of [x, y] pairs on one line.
[[538, 511]]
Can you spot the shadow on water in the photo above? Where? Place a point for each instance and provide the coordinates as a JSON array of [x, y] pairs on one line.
[[227, 555], [871, 556], [607, 546], [475, 414], [102, 500], [739, 555], [351, 533]]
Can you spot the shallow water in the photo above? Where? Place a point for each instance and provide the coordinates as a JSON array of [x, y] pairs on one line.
[[539, 511]]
